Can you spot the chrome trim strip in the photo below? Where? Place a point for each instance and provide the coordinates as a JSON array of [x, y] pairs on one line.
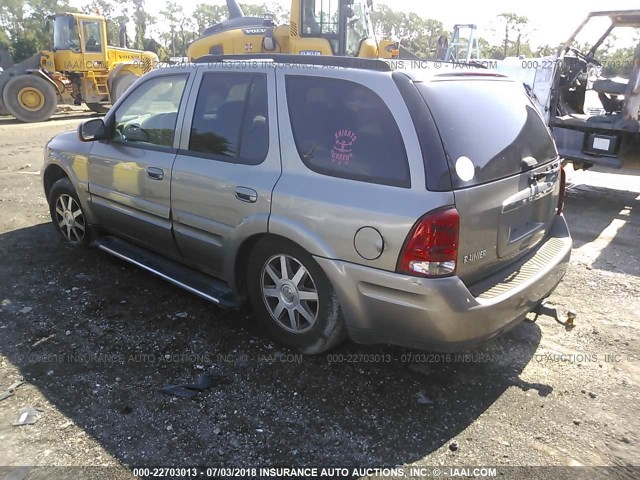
[[161, 275]]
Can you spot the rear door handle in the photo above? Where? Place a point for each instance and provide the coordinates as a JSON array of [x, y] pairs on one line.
[[155, 173], [246, 194]]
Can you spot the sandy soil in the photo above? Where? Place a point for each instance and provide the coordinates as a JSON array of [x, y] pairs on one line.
[[96, 339]]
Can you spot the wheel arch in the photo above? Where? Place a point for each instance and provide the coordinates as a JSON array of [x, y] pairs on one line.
[[44, 76], [51, 175], [54, 171], [241, 262], [244, 249]]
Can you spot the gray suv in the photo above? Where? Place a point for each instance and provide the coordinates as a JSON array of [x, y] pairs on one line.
[[340, 197]]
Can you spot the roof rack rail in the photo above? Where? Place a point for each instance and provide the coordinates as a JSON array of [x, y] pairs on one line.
[[322, 60]]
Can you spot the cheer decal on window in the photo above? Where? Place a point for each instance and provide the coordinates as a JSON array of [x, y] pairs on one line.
[[342, 151]]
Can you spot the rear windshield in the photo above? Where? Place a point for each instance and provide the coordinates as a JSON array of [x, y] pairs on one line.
[[489, 128]]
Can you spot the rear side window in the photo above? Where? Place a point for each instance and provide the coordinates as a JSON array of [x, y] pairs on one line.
[[345, 130], [230, 121], [489, 128]]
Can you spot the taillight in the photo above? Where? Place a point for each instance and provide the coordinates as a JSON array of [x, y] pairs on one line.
[[431, 249], [563, 191]]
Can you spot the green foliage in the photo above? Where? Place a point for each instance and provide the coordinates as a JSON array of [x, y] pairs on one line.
[[142, 20], [280, 15], [23, 48], [618, 63], [206, 15], [417, 34], [515, 29], [181, 30], [22, 25]]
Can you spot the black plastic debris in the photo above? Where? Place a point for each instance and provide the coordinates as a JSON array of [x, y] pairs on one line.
[[423, 399], [188, 390], [27, 416], [11, 390]]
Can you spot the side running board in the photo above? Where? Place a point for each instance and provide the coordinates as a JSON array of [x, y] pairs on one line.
[[204, 286]]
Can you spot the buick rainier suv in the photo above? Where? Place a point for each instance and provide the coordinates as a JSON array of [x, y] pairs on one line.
[[340, 199]]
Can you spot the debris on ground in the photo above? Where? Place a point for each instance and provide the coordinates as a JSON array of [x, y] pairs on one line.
[[11, 390], [188, 390], [28, 416], [423, 399]]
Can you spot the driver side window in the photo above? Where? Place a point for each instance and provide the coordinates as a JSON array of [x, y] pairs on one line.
[[149, 113]]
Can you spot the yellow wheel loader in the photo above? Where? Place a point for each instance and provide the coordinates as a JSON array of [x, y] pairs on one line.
[[80, 68], [316, 27]]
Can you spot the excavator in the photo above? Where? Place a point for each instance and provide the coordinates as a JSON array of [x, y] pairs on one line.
[[316, 27]]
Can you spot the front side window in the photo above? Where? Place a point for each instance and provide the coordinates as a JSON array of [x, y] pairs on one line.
[[92, 37], [345, 130], [148, 115], [230, 120]]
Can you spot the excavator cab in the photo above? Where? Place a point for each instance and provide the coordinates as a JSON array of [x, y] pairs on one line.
[[344, 24], [316, 27]]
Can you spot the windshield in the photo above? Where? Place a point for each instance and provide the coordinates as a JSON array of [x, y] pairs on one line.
[[65, 33]]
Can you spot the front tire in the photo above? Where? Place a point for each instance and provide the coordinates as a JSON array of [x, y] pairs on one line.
[[67, 214], [292, 297], [30, 98]]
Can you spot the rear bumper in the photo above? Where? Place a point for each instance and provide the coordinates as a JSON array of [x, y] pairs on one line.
[[442, 314]]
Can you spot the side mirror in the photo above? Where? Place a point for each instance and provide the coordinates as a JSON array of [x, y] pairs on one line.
[[92, 130]]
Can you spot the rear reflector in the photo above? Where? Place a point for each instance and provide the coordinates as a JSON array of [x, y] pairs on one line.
[[563, 191], [431, 249]]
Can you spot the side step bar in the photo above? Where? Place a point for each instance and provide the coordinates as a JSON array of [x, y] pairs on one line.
[[195, 282]]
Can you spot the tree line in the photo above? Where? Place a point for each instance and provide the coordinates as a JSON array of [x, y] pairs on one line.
[[171, 33]]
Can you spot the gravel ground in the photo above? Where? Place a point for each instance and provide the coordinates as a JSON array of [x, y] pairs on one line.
[[95, 339]]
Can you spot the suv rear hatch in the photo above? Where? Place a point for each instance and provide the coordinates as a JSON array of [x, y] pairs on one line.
[[504, 168]]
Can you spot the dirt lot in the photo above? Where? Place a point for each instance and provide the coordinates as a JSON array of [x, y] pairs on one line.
[[96, 339]]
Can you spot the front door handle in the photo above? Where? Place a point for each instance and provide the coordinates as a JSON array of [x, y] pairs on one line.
[[155, 173], [246, 194]]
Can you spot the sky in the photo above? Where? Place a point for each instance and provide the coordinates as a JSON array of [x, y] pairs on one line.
[[550, 21]]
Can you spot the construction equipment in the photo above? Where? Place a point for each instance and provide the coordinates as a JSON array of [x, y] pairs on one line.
[[462, 48], [80, 68], [316, 27], [595, 119]]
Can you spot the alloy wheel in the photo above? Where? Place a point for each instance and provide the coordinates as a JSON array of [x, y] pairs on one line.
[[70, 218], [290, 293]]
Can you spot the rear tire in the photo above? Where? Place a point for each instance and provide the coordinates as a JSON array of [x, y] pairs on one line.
[[299, 307], [30, 98], [67, 213], [97, 107], [120, 85]]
